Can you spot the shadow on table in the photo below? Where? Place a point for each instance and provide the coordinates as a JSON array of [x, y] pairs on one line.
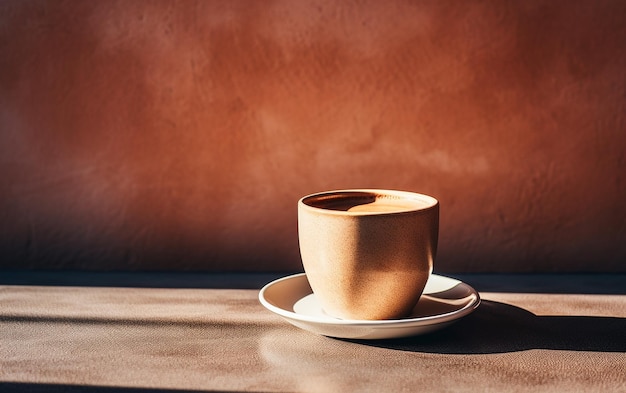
[[190, 280], [498, 327], [9, 387]]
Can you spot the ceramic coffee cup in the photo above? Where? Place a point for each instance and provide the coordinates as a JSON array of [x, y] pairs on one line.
[[368, 253]]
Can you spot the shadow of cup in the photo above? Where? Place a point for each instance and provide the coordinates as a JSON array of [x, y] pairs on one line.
[[499, 327]]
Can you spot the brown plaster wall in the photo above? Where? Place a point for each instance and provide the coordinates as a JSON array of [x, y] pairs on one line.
[[179, 135]]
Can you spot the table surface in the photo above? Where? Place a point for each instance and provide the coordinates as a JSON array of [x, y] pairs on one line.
[[129, 332]]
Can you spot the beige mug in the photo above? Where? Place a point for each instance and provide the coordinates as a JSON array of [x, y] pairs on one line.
[[368, 253]]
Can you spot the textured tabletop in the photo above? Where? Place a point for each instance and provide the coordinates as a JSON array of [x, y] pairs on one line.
[[184, 332]]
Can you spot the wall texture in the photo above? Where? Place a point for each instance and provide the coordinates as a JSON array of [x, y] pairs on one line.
[[179, 135]]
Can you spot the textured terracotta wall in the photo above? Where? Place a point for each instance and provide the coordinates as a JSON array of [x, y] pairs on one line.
[[179, 135]]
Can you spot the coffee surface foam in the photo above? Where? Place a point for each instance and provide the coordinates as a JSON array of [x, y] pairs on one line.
[[368, 203]]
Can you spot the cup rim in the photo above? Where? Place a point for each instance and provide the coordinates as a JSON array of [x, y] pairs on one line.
[[428, 201]]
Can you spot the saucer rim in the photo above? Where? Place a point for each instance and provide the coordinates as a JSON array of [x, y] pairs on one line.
[[387, 323]]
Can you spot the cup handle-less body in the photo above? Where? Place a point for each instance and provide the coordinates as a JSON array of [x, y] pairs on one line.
[[364, 266]]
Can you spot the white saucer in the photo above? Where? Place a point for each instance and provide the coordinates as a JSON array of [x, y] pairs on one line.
[[443, 302]]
